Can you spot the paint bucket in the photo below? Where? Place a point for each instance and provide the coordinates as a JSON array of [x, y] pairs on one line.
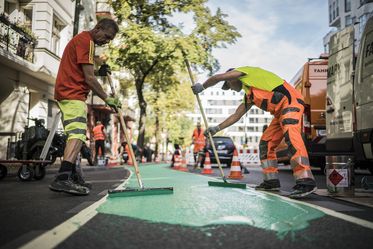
[[340, 175]]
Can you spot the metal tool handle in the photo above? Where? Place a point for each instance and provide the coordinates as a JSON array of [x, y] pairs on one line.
[[124, 128], [205, 119]]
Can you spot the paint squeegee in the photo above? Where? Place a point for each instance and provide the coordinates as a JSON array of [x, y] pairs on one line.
[[224, 183], [141, 191]]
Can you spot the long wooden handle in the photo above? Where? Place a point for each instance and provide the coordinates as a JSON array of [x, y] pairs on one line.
[[204, 119], [124, 128]]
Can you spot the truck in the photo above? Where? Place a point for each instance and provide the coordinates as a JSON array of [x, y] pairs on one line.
[[338, 116], [349, 102]]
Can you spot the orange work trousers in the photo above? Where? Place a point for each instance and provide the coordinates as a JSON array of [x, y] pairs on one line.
[[286, 123]]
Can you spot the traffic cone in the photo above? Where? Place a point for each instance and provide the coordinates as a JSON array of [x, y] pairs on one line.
[[183, 165], [207, 165], [177, 162], [235, 167], [143, 159]]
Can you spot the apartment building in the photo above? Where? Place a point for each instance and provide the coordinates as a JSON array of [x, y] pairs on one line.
[[343, 13], [219, 104], [33, 35]]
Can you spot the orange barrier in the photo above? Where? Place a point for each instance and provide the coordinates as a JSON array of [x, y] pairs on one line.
[[235, 172], [207, 165]]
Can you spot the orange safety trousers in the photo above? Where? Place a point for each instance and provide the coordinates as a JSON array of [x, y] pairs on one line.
[[286, 123]]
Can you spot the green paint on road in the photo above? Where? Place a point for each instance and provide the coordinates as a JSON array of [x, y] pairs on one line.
[[194, 203]]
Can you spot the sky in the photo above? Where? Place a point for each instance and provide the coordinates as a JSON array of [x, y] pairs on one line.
[[277, 35]]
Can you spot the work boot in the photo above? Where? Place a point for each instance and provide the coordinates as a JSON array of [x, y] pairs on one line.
[[67, 185], [269, 185], [303, 187], [78, 179]]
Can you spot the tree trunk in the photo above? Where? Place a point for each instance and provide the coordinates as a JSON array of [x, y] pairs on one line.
[[157, 128], [142, 119]]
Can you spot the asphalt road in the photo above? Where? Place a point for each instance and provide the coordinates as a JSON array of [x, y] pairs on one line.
[[29, 209]]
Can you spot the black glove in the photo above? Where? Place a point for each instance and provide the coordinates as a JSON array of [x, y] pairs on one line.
[[197, 88], [213, 130], [104, 70]]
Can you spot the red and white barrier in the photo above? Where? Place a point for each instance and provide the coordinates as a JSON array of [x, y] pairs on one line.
[[249, 157]]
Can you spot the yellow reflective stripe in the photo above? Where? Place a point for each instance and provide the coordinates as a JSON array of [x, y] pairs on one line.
[[91, 52]]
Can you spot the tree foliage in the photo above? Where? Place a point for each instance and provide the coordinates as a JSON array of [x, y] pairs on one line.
[[150, 44]]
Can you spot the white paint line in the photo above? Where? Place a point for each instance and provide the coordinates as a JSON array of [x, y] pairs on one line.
[[58, 234], [80, 207], [327, 211]]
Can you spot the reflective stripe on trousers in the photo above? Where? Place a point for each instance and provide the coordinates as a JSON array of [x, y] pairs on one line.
[[270, 169], [301, 168]]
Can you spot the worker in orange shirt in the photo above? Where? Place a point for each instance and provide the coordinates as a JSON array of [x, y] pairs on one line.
[[75, 79], [199, 141], [270, 93], [99, 136]]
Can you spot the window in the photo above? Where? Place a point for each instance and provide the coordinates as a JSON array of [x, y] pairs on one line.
[[56, 29], [348, 20], [337, 10], [333, 10], [347, 5], [330, 13], [27, 17]]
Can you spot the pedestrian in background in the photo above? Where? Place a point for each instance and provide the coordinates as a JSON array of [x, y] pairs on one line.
[[99, 136], [74, 81], [270, 93], [199, 142], [177, 152]]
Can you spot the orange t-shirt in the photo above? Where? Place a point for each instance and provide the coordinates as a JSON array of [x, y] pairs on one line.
[[70, 83]]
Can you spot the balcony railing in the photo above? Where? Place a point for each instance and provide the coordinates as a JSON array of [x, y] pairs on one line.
[[15, 40]]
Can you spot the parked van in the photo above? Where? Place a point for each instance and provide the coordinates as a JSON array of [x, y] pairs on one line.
[[344, 125], [349, 113]]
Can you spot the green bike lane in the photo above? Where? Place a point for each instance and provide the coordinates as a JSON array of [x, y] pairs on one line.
[[199, 216], [194, 203]]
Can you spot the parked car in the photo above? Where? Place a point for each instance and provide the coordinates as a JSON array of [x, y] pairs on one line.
[[224, 147]]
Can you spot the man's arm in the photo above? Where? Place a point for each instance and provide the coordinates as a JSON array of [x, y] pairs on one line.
[[92, 82], [240, 111], [213, 80]]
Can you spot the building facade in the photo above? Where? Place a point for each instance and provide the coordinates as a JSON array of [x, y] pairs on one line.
[[344, 13], [219, 104], [32, 37]]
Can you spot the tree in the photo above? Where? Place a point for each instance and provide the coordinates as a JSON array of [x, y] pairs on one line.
[[151, 43], [169, 99]]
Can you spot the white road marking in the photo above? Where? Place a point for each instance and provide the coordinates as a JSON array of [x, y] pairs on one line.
[[327, 211], [58, 234]]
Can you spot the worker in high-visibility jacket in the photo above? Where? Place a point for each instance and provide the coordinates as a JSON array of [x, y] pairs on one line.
[[270, 93], [199, 141], [99, 136]]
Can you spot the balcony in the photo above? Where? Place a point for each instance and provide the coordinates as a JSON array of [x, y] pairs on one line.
[[15, 40]]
